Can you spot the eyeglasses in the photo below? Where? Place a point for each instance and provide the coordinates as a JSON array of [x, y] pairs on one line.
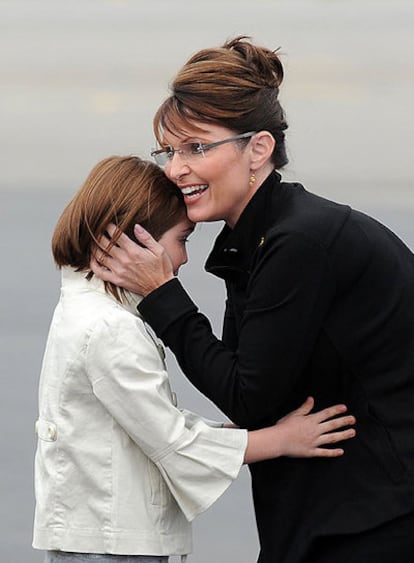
[[194, 149]]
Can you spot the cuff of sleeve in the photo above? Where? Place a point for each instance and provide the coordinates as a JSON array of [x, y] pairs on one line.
[[165, 305], [192, 418], [200, 472]]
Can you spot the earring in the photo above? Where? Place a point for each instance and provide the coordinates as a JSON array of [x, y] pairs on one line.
[[252, 179]]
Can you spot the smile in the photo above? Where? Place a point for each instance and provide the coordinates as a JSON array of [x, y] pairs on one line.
[[193, 191]]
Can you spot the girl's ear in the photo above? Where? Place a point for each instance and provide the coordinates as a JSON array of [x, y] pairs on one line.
[[262, 146]]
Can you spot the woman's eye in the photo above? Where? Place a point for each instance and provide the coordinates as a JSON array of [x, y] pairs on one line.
[[169, 152], [196, 148]]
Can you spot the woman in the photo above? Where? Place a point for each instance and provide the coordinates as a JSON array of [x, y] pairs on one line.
[[120, 470], [320, 301]]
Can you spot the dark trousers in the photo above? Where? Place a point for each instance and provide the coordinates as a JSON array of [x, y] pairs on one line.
[[392, 542]]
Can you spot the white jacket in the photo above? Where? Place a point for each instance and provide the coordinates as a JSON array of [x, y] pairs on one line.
[[119, 469]]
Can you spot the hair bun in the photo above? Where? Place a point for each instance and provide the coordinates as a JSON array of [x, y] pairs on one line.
[[262, 63]]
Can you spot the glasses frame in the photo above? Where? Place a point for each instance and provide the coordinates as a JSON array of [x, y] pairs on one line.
[[162, 156]]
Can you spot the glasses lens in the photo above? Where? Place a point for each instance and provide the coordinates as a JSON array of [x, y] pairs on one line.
[[160, 157], [191, 149], [187, 150]]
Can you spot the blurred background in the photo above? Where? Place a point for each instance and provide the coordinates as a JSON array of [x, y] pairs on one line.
[[81, 80]]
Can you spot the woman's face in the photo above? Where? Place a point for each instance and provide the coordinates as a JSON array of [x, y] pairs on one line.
[[174, 242], [215, 184]]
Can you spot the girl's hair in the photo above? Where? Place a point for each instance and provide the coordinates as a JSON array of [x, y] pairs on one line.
[[236, 86], [123, 190]]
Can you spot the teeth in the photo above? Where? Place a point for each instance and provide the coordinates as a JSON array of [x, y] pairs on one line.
[[192, 190]]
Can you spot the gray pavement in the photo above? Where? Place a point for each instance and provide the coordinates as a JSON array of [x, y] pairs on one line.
[[80, 80]]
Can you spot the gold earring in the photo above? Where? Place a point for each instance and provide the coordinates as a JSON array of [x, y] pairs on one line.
[[252, 179]]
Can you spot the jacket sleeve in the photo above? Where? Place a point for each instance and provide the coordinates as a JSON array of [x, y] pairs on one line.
[[128, 376], [229, 328], [289, 291]]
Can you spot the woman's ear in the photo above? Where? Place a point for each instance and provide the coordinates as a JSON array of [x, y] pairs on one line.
[[262, 146]]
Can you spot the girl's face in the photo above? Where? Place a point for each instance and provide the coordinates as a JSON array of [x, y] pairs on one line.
[[174, 242], [215, 182]]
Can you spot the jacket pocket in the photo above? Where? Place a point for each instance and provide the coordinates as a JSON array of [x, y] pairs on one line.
[[158, 487], [381, 444], [46, 430]]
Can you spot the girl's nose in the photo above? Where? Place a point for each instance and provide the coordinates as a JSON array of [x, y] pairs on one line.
[[185, 258]]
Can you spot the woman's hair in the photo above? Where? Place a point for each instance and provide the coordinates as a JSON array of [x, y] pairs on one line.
[[236, 86], [123, 190]]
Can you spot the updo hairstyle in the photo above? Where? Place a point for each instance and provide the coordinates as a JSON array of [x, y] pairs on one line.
[[235, 86]]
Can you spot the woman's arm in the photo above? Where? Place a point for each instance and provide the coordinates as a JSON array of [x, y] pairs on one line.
[[284, 309]]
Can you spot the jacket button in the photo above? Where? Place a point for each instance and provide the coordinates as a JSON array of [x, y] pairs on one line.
[[51, 432]]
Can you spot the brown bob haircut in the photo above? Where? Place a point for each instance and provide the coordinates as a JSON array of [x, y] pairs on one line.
[[123, 190]]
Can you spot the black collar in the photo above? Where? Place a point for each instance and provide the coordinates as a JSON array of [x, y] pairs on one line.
[[233, 249]]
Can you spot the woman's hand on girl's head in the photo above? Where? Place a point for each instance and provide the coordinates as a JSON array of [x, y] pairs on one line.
[[139, 269]]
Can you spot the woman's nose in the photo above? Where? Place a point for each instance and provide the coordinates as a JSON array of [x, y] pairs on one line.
[[176, 167]]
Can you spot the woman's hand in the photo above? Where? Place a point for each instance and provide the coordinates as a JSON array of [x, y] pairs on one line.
[[139, 269], [301, 434]]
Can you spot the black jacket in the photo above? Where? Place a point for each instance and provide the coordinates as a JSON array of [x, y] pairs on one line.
[[320, 302]]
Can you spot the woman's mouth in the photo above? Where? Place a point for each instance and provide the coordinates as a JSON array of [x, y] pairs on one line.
[[193, 192]]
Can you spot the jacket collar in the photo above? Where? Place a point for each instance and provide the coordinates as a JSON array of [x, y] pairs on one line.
[[233, 249], [77, 282]]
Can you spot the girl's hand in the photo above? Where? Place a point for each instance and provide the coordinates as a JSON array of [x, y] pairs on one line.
[[301, 434], [304, 434]]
